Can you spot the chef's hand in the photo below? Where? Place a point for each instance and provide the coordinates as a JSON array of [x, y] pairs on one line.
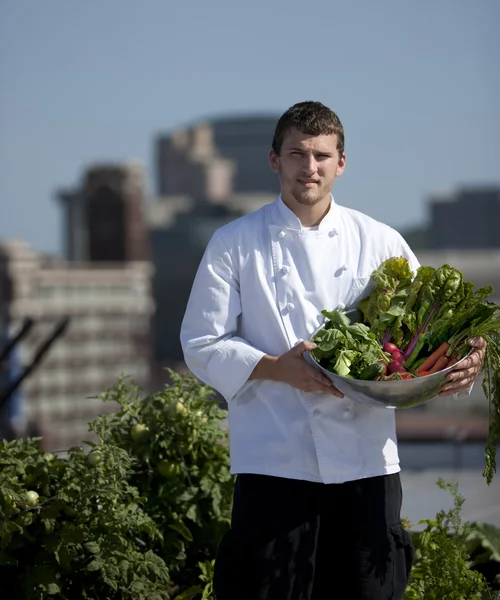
[[293, 369], [463, 376]]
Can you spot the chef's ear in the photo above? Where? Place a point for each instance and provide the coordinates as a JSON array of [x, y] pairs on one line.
[[341, 165], [274, 160]]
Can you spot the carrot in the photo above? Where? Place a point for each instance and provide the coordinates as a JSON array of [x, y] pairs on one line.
[[440, 364], [431, 361], [453, 359], [423, 373]]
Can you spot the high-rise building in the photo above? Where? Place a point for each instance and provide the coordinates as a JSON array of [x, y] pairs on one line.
[[104, 219], [217, 159], [465, 219]]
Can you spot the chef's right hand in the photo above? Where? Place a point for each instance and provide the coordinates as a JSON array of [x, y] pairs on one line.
[[292, 368]]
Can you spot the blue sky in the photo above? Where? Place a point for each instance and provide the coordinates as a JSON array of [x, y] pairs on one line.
[[415, 84]]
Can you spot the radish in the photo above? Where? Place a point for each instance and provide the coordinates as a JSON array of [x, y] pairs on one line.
[[398, 356], [390, 348], [395, 367]]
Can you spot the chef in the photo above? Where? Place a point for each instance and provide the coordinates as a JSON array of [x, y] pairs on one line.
[[318, 496]]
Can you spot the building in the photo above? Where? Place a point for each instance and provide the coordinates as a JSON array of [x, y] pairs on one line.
[[109, 306], [104, 218], [216, 160], [466, 219]]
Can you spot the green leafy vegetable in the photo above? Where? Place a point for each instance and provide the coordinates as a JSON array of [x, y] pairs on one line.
[[401, 307], [346, 348], [437, 306], [383, 308]]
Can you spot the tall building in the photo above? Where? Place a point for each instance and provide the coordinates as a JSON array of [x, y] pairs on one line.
[[465, 219], [109, 307], [217, 159], [104, 218]]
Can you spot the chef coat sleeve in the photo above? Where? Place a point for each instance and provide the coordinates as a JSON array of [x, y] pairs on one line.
[[212, 349]]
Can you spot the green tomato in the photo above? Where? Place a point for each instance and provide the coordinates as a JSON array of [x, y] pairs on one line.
[[168, 469], [139, 432], [31, 498], [181, 409], [95, 457], [9, 500]]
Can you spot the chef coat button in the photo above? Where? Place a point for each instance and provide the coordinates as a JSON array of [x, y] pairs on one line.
[[316, 412], [281, 234], [333, 233], [290, 306], [348, 411], [285, 269]]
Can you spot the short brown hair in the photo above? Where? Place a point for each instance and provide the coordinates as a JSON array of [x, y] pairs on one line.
[[312, 118]]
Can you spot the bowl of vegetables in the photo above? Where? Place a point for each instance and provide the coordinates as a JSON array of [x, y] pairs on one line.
[[379, 377], [396, 348]]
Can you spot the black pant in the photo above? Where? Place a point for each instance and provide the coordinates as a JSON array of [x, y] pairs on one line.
[[297, 540]]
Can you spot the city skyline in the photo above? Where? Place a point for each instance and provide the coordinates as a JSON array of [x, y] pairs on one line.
[[415, 87]]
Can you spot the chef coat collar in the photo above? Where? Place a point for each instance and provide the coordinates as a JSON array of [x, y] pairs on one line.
[[293, 222]]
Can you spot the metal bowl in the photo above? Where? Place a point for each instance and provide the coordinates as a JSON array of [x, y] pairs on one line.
[[403, 393]]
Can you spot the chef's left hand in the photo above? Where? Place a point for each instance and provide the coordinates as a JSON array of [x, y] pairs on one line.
[[463, 376]]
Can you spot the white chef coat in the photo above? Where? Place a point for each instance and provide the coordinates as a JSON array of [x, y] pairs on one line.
[[260, 289]]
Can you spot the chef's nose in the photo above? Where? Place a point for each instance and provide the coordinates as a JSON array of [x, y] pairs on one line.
[[310, 165]]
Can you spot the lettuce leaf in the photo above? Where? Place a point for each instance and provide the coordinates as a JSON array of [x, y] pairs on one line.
[[346, 348]]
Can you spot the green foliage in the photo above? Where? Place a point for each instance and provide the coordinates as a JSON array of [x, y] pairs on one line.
[[140, 515], [483, 544], [441, 569], [206, 591], [180, 462], [207, 577], [491, 388], [73, 528]]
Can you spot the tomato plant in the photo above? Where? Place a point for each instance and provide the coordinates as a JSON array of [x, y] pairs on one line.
[[181, 469], [131, 518], [79, 531]]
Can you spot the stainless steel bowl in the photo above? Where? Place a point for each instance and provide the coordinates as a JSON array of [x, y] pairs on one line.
[[403, 393]]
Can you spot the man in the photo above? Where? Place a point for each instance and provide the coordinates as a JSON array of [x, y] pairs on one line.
[[316, 511]]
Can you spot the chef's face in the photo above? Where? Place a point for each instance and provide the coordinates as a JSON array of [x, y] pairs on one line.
[[307, 166]]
